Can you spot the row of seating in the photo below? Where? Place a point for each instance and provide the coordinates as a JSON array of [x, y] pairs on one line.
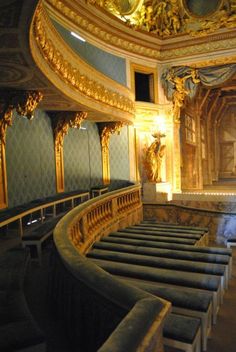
[[18, 329], [169, 261]]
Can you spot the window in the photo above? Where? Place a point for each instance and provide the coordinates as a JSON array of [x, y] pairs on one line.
[[144, 83], [143, 87]]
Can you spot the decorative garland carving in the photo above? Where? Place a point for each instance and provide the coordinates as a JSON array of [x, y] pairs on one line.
[[71, 75], [62, 121], [106, 130], [25, 102]]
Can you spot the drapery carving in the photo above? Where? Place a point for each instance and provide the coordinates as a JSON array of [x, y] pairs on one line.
[[181, 81], [105, 131], [61, 122]]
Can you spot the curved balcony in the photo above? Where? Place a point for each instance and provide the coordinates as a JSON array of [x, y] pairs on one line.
[[100, 312], [99, 95]]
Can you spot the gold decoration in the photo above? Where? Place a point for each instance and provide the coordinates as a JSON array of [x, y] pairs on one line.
[[28, 103], [160, 17], [224, 18], [105, 131], [153, 158], [58, 9], [71, 75], [62, 121], [180, 92], [25, 102]]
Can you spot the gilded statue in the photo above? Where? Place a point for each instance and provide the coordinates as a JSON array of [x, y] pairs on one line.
[[153, 158], [180, 92]]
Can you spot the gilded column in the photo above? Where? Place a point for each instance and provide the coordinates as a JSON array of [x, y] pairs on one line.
[[61, 122], [24, 102], [105, 131]]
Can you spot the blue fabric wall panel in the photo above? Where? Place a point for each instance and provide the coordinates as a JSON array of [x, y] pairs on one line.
[[95, 154], [110, 65], [30, 159]]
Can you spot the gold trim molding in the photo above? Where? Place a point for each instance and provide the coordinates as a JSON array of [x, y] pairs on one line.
[[154, 48], [76, 75]]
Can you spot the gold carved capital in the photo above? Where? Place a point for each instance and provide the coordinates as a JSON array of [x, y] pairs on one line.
[[62, 121], [25, 102], [106, 130]]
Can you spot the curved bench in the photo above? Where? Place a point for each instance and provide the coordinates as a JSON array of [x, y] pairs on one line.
[[137, 230]]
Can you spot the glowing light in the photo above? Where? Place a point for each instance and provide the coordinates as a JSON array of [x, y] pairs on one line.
[[78, 36]]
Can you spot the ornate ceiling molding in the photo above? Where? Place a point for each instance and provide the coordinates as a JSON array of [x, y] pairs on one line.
[[114, 34], [75, 78]]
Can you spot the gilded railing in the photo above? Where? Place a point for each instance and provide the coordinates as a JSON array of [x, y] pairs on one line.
[[106, 313], [107, 213]]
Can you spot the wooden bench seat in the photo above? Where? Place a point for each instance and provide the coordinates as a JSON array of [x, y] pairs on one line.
[[177, 234], [196, 304], [36, 237]]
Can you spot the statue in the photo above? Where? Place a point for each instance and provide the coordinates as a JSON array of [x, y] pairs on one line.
[[153, 158]]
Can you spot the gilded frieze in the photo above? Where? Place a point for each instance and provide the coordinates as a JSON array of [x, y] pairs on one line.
[[69, 71]]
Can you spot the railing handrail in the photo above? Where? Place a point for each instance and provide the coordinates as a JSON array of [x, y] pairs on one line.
[[127, 297]]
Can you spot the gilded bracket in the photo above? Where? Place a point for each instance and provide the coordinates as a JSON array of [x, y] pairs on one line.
[[105, 131], [61, 122], [25, 102]]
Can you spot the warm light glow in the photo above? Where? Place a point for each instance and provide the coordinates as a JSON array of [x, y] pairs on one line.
[[78, 36], [159, 124]]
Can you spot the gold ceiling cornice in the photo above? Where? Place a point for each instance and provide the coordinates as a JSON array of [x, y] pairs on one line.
[[103, 29], [75, 78]]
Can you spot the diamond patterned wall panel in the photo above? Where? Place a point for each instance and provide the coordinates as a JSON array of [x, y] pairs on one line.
[[30, 159], [119, 158], [82, 158], [95, 154], [111, 65]]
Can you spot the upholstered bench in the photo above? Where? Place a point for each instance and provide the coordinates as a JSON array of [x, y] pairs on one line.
[[98, 190], [157, 238], [210, 283], [137, 229], [165, 263], [182, 332], [196, 304], [208, 254], [201, 235], [36, 237], [167, 224]]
